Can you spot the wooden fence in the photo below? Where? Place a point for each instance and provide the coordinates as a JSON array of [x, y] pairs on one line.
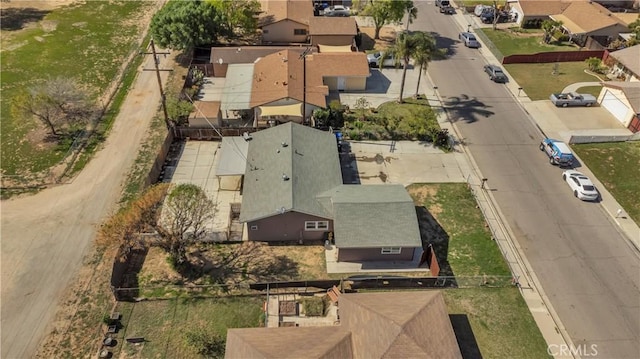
[[183, 132], [558, 56]]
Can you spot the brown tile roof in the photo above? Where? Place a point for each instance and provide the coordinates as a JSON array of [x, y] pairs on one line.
[[324, 25], [587, 16], [542, 7], [208, 109], [372, 325], [246, 54], [337, 64], [280, 75], [277, 10]]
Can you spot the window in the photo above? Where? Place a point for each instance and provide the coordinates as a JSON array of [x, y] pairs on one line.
[[391, 250], [254, 228], [265, 31], [299, 31], [316, 225]]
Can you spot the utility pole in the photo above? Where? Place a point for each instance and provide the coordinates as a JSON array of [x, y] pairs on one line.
[[163, 98], [303, 56]]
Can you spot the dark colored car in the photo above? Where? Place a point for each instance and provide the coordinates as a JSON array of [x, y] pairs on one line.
[[495, 73]]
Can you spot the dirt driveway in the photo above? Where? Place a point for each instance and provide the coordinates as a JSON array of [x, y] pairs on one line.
[[45, 236]]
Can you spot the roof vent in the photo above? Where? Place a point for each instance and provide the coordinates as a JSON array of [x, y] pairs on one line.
[[284, 144], [246, 136], [285, 177]]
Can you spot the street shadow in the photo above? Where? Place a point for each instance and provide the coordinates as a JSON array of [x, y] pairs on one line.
[[377, 82], [13, 19], [465, 337], [432, 234], [466, 109]]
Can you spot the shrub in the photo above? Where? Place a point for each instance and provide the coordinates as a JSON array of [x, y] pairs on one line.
[[313, 306], [205, 342]]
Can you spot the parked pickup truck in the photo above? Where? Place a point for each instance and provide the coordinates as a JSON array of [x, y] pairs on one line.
[[558, 152], [445, 6], [572, 99]]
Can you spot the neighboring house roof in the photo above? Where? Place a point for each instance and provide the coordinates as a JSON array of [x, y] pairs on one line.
[[583, 17], [631, 91], [236, 94], [233, 156], [367, 216], [629, 58], [309, 161], [277, 10], [351, 64], [280, 76], [327, 25], [372, 325], [205, 109], [247, 54], [542, 7]]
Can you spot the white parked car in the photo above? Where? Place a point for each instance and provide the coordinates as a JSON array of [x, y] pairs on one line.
[[581, 185], [337, 10]]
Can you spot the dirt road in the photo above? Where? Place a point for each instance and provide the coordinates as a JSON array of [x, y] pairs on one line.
[[45, 236]]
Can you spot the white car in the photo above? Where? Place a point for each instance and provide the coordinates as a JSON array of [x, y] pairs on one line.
[[337, 10], [375, 57], [581, 185]]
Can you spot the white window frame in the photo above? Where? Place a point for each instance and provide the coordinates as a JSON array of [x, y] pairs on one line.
[[390, 250], [316, 225]]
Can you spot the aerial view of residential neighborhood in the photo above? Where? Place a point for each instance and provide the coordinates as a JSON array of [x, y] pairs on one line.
[[320, 179]]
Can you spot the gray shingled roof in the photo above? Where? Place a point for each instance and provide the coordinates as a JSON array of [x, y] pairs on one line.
[[368, 216], [309, 161]]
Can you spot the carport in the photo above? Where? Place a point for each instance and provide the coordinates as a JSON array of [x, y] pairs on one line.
[[231, 163]]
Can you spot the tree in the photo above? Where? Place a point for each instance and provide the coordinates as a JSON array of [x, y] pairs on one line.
[[58, 103], [124, 228], [184, 24], [186, 212], [362, 105], [387, 11], [549, 27], [594, 64], [635, 29], [206, 342], [425, 52], [237, 15], [419, 46]]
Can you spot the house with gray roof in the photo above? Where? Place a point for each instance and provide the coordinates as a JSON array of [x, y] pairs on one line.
[[293, 192]]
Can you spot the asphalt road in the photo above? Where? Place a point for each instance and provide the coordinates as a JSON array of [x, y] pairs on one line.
[[586, 267]]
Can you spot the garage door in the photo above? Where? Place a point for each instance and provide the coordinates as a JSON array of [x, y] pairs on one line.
[[617, 108]]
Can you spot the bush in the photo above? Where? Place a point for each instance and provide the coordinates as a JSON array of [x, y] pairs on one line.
[[205, 342], [313, 306]]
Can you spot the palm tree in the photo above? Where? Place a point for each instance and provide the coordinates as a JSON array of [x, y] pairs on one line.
[[426, 52], [549, 27], [419, 46]]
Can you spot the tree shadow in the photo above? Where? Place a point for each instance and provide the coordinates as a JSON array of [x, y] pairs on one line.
[[13, 19], [464, 335], [246, 262], [465, 108], [377, 82], [432, 234], [448, 44]]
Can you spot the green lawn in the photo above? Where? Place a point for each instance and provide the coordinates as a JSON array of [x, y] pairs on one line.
[[524, 42], [88, 42], [501, 322], [617, 166], [163, 323], [538, 81], [471, 251]]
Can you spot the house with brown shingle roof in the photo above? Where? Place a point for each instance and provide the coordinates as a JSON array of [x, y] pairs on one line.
[[372, 325], [537, 10], [285, 21], [333, 31], [584, 19]]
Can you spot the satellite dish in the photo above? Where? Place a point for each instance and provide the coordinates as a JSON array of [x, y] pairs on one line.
[[220, 61]]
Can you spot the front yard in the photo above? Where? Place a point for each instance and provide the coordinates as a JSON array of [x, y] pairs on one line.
[[524, 41], [616, 166], [538, 81]]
